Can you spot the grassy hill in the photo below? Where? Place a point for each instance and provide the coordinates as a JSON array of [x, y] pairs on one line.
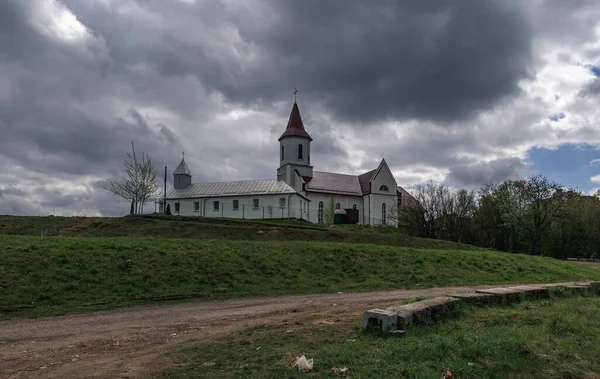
[[54, 275], [216, 228]]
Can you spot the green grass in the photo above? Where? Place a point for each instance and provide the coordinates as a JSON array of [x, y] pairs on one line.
[[217, 228], [57, 275], [555, 338]]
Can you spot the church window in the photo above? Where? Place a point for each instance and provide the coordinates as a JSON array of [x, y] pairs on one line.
[[300, 151], [320, 213], [383, 214], [399, 199], [176, 207], [236, 205], [384, 188], [354, 206], [282, 152], [196, 206], [338, 206], [255, 203], [282, 202], [215, 205]]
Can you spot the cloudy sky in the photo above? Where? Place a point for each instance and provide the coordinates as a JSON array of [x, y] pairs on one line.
[[461, 92]]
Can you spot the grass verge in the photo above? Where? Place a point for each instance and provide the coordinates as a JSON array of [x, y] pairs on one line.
[[49, 276], [217, 228], [552, 338]]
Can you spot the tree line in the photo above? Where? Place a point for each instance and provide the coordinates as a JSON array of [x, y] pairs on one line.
[[531, 216]]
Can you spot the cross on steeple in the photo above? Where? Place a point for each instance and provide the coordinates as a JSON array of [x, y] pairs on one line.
[[182, 155], [295, 92]]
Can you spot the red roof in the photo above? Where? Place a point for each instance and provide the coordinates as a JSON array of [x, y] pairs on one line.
[[295, 126], [365, 181], [328, 182]]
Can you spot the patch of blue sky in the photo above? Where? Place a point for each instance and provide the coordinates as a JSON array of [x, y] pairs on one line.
[[569, 164]]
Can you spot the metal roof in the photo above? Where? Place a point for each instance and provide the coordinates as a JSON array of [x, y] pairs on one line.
[[240, 188], [182, 169]]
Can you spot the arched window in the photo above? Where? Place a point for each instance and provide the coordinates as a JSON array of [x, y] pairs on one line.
[[300, 151], [320, 213], [282, 152], [384, 188], [383, 213], [354, 206], [338, 206]]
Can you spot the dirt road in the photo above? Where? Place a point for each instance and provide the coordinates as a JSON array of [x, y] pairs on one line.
[[130, 342]]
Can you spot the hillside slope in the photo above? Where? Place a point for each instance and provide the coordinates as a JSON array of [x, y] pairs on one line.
[[40, 276], [216, 228]]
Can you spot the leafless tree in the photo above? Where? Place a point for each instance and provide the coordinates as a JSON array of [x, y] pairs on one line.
[[329, 211], [139, 183]]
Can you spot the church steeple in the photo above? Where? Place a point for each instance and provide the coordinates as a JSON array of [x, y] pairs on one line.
[[294, 145], [295, 126], [182, 176]]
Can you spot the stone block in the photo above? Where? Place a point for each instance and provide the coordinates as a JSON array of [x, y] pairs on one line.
[[595, 286], [474, 297], [380, 319], [533, 291], [503, 295], [578, 289], [573, 288], [423, 312]]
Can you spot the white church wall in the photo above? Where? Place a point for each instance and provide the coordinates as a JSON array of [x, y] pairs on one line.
[[269, 206], [377, 217], [290, 153], [383, 191], [366, 215], [384, 178], [345, 202]]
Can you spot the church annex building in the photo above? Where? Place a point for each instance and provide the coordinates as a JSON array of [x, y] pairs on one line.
[[299, 192]]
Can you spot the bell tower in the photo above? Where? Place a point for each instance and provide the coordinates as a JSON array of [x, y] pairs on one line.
[[294, 149], [182, 176]]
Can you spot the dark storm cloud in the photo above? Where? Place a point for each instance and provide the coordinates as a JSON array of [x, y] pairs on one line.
[[364, 61], [477, 174], [369, 61]]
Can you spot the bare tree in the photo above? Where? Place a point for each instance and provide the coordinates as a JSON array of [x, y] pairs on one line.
[[329, 211], [139, 182]]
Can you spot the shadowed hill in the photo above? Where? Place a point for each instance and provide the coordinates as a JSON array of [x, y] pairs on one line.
[[217, 228]]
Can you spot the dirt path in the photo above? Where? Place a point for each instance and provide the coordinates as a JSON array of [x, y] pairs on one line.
[[130, 342]]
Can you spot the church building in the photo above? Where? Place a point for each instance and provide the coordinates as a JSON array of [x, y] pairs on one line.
[[299, 192]]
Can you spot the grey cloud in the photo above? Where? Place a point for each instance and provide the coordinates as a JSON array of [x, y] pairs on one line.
[[12, 191], [371, 61], [475, 175], [364, 61], [592, 89]]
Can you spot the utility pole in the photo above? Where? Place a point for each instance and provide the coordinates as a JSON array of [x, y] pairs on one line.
[[165, 193]]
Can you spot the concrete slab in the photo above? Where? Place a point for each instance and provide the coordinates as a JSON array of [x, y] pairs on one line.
[[595, 286], [499, 291], [533, 291], [381, 319], [423, 312], [503, 295], [576, 288], [474, 297]]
